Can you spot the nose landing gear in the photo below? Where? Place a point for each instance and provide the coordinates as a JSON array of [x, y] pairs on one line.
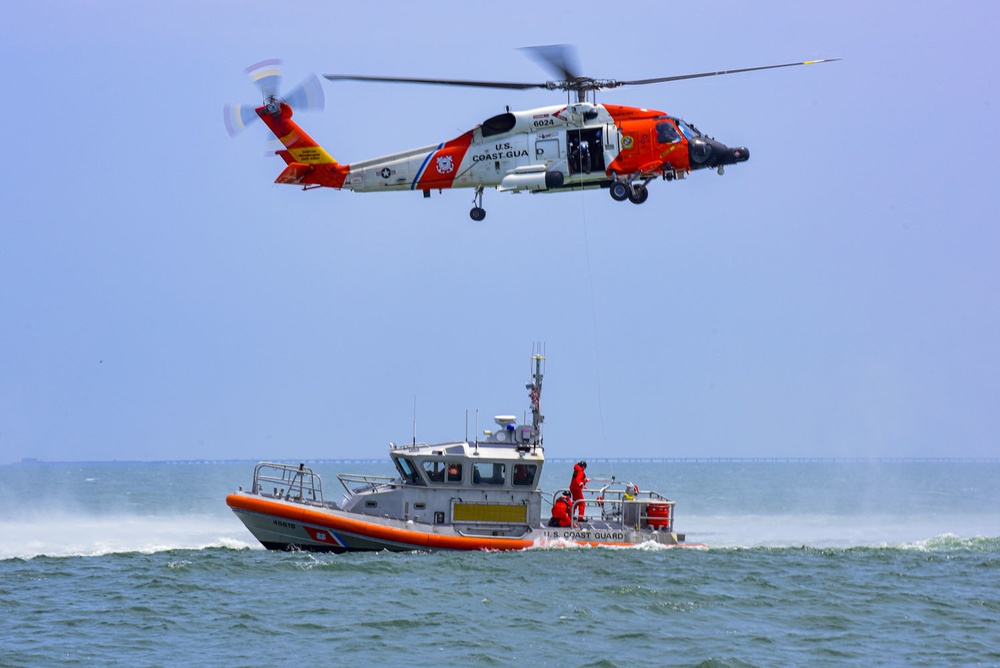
[[631, 190], [639, 194], [619, 191]]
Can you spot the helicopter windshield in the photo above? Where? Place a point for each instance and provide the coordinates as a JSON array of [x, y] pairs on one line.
[[689, 131]]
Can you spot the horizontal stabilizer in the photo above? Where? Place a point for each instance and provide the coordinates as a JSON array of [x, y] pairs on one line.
[[294, 173]]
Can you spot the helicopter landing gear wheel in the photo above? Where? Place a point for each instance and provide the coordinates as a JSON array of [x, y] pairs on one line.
[[478, 212], [619, 191], [639, 194]]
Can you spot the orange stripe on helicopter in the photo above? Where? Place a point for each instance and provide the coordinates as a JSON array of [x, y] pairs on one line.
[[442, 166]]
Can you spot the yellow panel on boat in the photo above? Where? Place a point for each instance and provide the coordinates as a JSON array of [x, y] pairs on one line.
[[489, 512]]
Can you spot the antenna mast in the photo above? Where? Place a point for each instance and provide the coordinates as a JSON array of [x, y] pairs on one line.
[[535, 393]]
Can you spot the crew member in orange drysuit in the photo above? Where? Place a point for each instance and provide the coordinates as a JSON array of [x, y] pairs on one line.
[[560, 512], [576, 486]]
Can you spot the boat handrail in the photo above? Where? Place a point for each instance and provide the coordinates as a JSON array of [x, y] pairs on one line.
[[290, 482], [408, 447], [614, 505], [613, 494], [374, 481]]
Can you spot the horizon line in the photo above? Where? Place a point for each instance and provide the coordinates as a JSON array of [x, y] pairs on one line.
[[562, 460]]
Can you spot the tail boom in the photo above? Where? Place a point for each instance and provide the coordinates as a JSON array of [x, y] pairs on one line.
[[308, 163]]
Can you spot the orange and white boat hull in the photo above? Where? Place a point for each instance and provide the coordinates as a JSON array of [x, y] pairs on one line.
[[288, 525]]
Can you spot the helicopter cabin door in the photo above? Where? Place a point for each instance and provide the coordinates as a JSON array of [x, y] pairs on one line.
[[585, 149], [546, 149]]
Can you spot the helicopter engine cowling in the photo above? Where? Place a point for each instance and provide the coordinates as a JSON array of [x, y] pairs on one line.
[[533, 179]]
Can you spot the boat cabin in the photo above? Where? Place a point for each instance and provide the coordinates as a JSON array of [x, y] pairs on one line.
[[490, 484]]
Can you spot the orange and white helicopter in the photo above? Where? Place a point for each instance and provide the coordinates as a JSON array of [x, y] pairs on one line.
[[572, 146]]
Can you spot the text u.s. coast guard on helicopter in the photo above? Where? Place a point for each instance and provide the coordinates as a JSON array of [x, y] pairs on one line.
[[504, 150]]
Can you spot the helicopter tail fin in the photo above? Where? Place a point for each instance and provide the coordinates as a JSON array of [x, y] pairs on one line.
[[307, 162]]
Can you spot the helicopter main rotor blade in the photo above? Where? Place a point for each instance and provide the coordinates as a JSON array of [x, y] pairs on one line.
[[559, 59], [682, 77], [439, 82]]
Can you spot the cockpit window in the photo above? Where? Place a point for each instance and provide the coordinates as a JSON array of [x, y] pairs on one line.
[[689, 130], [498, 125], [489, 473], [666, 133]]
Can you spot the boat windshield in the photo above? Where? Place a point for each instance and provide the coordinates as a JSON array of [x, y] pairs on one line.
[[408, 471]]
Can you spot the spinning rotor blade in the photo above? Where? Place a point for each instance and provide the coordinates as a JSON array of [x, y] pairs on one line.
[[439, 82], [237, 117], [681, 77], [308, 95], [559, 59], [266, 75]]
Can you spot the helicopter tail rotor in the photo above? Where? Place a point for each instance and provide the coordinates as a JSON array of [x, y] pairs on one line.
[[266, 77]]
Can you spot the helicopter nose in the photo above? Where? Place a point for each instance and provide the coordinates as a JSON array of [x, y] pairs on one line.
[[730, 156], [741, 154], [706, 152]]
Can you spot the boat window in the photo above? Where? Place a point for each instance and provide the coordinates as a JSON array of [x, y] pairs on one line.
[[489, 473], [454, 472], [434, 470], [409, 471], [666, 133], [524, 474], [498, 125]]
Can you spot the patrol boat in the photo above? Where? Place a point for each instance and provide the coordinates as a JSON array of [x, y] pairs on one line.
[[462, 495]]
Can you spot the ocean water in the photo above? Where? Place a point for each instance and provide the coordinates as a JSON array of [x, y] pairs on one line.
[[818, 564]]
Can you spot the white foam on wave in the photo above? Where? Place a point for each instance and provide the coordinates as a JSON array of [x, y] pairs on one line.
[[563, 544], [836, 531], [71, 535]]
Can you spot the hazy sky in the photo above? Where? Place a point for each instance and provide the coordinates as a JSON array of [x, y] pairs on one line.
[[837, 295]]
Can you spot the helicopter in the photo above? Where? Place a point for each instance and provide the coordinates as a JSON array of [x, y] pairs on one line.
[[564, 147]]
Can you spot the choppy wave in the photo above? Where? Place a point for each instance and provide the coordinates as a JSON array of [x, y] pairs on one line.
[[835, 531], [75, 535], [97, 537]]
